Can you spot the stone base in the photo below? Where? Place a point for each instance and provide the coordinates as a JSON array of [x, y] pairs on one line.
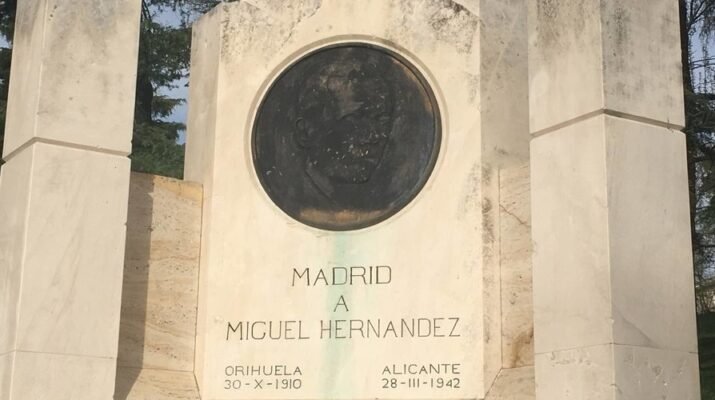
[[615, 372], [148, 384], [45, 376], [514, 384]]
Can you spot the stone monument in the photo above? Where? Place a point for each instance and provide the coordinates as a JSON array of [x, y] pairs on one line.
[[347, 152], [359, 223]]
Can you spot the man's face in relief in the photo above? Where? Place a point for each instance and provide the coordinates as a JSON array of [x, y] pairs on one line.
[[344, 123]]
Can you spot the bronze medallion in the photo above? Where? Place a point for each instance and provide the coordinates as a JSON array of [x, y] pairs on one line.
[[346, 137]]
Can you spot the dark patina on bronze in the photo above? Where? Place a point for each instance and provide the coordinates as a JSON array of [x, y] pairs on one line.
[[346, 137]]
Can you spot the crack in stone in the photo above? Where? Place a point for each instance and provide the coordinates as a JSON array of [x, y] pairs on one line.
[[501, 207]]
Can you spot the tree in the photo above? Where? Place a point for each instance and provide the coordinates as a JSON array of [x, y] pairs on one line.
[[164, 55], [164, 52], [697, 34], [697, 19]]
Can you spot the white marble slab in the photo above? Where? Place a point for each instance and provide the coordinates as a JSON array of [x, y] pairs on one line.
[[74, 242], [44, 376], [86, 99], [250, 248], [514, 384], [569, 211], [649, 235], [6, 361], [155, 384], [615, 372], [599, 223], [587, 56], [14, 195]]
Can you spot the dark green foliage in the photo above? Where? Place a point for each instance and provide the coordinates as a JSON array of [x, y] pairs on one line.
[[7, 17], [706, 329], [5, 55], [698, 37], [164, 55], [155, 150]]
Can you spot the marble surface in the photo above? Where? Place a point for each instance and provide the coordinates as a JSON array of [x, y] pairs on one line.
[[613, 289], [199, 151], [152, 384], [516, 282], [583, 373], [6, 360], [641, 43], [514, 384], [159, 298], [64, 196], [504, 78], [622, 213], [648, 373], [564, 43], [611, 51], [205, 48], [44, 376], [72, 248], [14, 194], [615, 372], [93, 89], [648, 205], [569, 211], [503, 88], [614, 309], [433, 245], [491, 264]]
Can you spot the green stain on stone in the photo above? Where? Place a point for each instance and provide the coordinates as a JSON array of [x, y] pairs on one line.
[[336, 350]]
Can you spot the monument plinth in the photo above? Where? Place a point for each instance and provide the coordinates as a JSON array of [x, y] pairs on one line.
[[340, 148]]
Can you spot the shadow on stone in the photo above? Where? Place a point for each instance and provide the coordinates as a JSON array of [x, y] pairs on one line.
[[135, 285], [160, 292]]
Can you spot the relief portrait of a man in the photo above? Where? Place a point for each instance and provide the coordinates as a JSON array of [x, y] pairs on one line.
[[346, 137], [345, 119]]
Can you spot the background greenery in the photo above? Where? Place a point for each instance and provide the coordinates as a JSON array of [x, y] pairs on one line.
[[7, 19], [164, 52], [706, 324], [697, 33]]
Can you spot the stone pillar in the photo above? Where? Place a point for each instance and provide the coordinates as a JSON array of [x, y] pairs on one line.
[[63, 197], [613, 279]]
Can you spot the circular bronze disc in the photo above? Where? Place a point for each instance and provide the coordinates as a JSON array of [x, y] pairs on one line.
[[346, 137]]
